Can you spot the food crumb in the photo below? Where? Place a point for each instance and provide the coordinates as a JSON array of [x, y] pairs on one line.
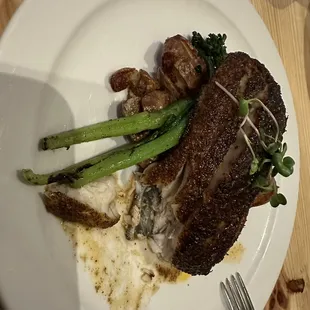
[[235, 253], [83, 257], [296, 286]]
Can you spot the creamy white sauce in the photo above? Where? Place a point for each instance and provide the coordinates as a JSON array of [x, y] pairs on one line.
[[126, 272]]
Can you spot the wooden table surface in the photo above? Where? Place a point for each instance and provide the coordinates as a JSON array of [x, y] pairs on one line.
[[289, 24]]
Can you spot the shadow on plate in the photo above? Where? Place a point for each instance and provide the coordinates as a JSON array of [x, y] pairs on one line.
[[307, 50], [38, 268], [281, 4], [152, 57], [38, 263], [2, 306]]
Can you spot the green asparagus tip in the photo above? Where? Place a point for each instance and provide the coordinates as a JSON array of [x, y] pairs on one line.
[[27, 175]]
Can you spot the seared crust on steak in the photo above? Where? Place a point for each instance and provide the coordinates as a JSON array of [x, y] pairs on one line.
[[215, 226], [71, 210], [216, 192]]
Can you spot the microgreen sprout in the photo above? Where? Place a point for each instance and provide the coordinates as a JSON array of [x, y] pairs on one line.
[[244, 108], [273, 147], [265, 184], [248, 142], [275, 151], [269, 185], [228, 93], [278, 199], [285, 168], [288, 161], [263, 162], [254, 166], [270, 114]]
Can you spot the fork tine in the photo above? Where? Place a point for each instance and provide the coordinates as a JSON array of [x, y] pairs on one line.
[[226, 296], [240, 299], [245, 292], [232, 295]]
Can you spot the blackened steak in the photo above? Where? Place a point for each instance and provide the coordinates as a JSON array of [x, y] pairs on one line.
[[212, 161]]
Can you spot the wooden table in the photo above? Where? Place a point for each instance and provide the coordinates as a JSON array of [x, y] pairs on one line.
[[289, 24]]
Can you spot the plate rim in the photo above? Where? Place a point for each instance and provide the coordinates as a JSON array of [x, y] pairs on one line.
[[280, 236]]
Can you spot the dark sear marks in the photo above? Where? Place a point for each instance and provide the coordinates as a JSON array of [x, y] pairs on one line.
[[193, 201], [216, 190], [72, 210]]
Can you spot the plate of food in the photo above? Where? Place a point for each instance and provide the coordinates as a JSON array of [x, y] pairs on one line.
[[149, 149]]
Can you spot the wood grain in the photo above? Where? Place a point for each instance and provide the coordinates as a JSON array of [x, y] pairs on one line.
[[7, 9], [289, 24]]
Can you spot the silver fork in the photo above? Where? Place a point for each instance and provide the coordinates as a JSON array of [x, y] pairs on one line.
[[236, 294]]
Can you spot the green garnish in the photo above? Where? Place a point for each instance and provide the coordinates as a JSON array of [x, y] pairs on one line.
[[274, 152], [273, 147], [288, 161], [265, 184], [243, 107], [254, 166], [274, 172], [284, 149], [282, 168], [212, 49], [263, 162], [278, 199]]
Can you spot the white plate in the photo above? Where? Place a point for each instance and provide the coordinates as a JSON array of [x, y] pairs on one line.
[[55, 58]]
